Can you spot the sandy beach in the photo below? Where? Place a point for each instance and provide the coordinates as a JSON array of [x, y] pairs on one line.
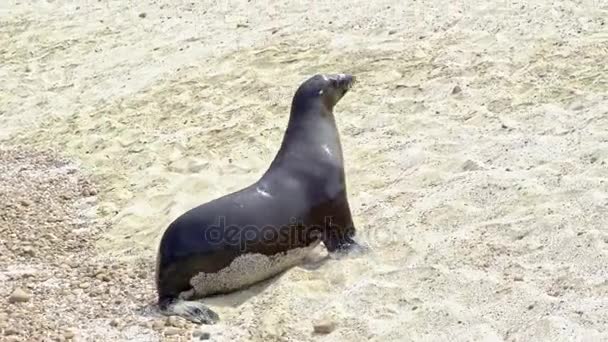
[[475, 142]]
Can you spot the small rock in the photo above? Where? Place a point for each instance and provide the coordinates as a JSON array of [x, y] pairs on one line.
[[115, 322], [10, 332], [103, 277], [456, 90], [84, 285], [68, 334], [391, 32], [19, 296], [170, 331], [158, 325], [518, 278], [324, 327], [28, 250], [173, 321], [470, 165], [142, 15], [26, 203], [201, 335], [578, 107], [50, 237]]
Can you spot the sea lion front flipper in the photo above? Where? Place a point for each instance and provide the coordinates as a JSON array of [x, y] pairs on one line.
[[193, 311], [349, 249]]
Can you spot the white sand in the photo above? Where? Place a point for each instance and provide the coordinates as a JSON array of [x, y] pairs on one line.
[[485, 208]]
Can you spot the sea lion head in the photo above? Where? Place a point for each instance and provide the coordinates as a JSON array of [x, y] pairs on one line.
[[323, 89]]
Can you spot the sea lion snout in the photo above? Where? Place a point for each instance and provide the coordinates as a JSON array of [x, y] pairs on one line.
[[343, 81]]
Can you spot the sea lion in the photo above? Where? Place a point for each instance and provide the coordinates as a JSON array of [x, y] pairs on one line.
[[255, 233]]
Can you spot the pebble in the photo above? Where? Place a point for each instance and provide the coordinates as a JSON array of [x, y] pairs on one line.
[[578, 107], [10, 332], [68, 334], [158, 325], [89, 192], [115, 322], [456, 90], [28, 250], [84, 285], [170, 331], [201, 335], [324, 327], [470, 165], [174, 321], [19, 296]]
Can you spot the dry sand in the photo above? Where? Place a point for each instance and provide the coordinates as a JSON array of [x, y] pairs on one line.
[[476, 145]]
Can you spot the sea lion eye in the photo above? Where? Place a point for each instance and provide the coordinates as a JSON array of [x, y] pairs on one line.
[[333, 82]]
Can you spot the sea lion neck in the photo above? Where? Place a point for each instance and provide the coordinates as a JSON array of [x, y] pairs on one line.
[[311, 135]]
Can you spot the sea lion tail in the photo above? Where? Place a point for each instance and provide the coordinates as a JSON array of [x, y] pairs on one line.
[[191, 310]]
